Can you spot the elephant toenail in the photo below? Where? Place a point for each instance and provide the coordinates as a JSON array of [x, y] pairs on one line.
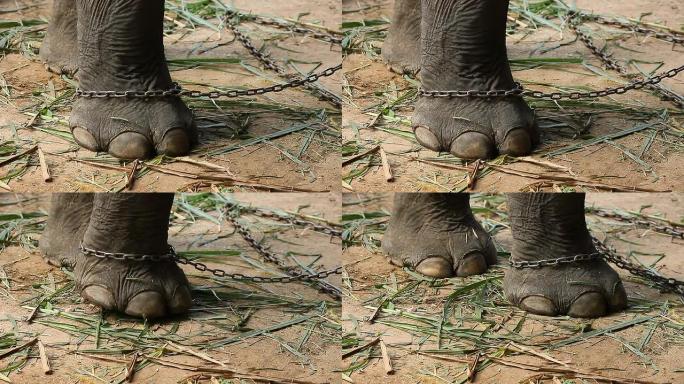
[[99, 295], [175, 143], [473, 263], [85, 139], [435, 266], [427, 139], [472, 145], [517, 143], [130, 146], [147, 304], [181, 300], [539, 305], [618, 300], [589, 304]]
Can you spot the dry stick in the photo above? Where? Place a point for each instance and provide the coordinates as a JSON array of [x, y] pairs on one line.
[[230, 373], [472, 177], [130, 369], [386, 165], [544, 356], [43, 166], [385, 358], [18, 156], [575, 180], [360, 348], [360, 156], [202, 356], [44, 359], [18, 348], [131, 175], [472, 368]]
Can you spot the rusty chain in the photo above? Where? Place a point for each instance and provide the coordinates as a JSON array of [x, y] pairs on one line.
[[264, 58], [603, 252], [293, 274]]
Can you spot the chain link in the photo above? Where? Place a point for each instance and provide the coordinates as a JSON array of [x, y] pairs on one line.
[[555, 262], [292, 27], [670, 230], [321, 228], [671, 36], [268, 62]]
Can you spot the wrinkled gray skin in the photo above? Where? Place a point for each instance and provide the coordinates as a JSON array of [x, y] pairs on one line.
[[130, 223], [461, 45], [117, 45], [428, 232]]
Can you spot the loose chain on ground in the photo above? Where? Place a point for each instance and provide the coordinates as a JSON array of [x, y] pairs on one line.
[[292, 27], [294, 82]]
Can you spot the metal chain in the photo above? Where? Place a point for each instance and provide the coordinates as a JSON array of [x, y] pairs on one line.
[[610, 63], [272, 257], [671, 36], [671, 230], [321, 228], [555, 262], [176, 90], [170, 255], [518, 89], [292, 27], [271, 64]]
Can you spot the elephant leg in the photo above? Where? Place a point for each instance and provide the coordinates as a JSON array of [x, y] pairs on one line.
[[463, 46], [131, 223], [401, 49], [437, 235], [548, 226], [120, 47], [67, 221], [60, 48]]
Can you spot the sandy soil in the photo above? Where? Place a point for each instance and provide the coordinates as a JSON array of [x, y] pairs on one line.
[[274, 162], [369, 83], [367, 272], [25, 270]]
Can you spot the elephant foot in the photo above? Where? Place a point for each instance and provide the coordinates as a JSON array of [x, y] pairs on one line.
[[401, 49], [60, 46], [437, 235], [585, 289], [133, 128], [472, 128], [121, 48], [135, 224], [548, 226], [67, 221]]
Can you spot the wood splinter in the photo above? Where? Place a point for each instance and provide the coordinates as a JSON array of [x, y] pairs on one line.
[[386, 166], [385, 358], [43, 166], [130, 370], [44, 359]]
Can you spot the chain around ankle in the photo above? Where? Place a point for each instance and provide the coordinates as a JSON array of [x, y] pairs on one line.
[[557, 261], [170, 255]]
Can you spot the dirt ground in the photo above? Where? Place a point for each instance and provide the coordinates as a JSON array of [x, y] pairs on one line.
[[223, 310], [305, 159], [618, 354], [619, 164]]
